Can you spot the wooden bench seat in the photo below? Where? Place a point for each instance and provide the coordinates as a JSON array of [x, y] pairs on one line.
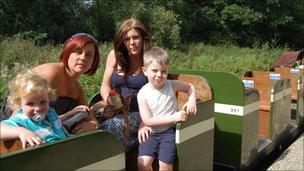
[[10, 145], [295, 78]]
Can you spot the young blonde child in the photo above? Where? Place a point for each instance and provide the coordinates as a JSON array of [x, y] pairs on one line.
[[158, 109], [30, 94]]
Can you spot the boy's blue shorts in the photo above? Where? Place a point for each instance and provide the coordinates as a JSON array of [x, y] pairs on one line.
[[161, 146]]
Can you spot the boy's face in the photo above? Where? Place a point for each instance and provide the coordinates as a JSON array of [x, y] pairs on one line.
[[157, 74], [35, 103]]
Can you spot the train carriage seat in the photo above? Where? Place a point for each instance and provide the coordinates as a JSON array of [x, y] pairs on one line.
[[273, 116]]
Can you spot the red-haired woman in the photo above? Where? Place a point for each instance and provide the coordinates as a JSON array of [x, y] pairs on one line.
[[80, 55]]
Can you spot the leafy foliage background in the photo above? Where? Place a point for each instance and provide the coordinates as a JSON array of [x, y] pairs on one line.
[[171, 22]]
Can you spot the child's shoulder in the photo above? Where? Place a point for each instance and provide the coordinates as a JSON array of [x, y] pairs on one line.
[[17, 119], [52, 113]]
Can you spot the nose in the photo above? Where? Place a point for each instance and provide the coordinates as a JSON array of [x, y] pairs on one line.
[[38, 109], [132, 41], [82, 56], [158, 73]]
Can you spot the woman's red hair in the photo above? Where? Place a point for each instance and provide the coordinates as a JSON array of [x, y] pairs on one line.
[[76, 42]]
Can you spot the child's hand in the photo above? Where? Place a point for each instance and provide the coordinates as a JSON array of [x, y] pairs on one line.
[[28, 138], [143, 134], [180, 116], [190, 108]]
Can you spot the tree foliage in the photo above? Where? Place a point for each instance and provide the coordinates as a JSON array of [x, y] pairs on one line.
[[238, 22]]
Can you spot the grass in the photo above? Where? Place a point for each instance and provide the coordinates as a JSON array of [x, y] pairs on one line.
[[17, 55]]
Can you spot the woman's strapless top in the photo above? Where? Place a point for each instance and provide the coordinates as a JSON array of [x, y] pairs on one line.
[[129, 86], [63, 104]]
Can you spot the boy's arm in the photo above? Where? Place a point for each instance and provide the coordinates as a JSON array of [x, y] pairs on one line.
[[14, 132], [190, 90], [148, 120]]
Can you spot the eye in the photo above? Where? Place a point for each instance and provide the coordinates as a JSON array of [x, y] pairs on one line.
[[127, 40], [154, 70], [136, 37], [29, 103], [43, 102], [79, 51], [89, 55]]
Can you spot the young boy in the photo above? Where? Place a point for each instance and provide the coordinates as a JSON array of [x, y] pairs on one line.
[[158, 110], [35, 121]]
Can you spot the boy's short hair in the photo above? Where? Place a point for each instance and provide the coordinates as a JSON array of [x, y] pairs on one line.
[[156, 54], [26, 83]]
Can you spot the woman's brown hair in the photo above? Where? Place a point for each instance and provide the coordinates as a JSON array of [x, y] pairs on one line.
[[121, 52]]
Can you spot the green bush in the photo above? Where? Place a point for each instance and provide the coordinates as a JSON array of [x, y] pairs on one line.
[[24, 54]]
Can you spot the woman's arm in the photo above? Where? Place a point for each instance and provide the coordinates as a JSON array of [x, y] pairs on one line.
[[106, 81], [90, 122]]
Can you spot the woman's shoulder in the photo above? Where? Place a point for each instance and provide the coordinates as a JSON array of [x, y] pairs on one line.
[[52, 71], [49, 67], [112, 57]]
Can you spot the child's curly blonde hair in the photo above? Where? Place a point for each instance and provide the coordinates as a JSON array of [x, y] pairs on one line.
[[25, 83]]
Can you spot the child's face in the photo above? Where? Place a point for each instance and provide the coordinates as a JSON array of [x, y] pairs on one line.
[[157, 74], [35, 103]]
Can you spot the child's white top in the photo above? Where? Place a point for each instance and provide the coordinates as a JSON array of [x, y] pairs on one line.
[[161, 102]]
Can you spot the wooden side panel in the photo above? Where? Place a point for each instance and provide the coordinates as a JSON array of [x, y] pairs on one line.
[[10, 146]]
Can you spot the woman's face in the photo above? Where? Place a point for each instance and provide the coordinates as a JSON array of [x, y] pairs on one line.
[[133, 42], [82, 59]]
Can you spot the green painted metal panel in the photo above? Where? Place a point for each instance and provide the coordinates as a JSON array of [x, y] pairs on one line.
[[280, 107], [90, 149], [229, 129], [300, 102], [250, 139], [228, 139], [196, 136]]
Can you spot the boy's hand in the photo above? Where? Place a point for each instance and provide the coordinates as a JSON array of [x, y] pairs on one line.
[[28, 138], [180, 116], [190, 108], [143, 134]]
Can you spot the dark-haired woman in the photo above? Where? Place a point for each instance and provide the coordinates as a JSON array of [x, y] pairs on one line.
[[124, 73]]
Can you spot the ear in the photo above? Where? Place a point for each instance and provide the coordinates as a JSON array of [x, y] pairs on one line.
[[144, 69]]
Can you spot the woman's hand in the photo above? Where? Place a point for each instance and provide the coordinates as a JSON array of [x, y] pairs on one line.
[[84, 126], [29, 138], [80, 108], [143, 133]]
